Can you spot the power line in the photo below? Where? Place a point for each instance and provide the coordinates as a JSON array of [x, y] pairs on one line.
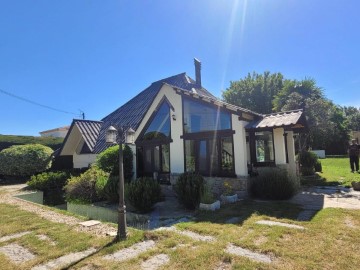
[[38, 104]]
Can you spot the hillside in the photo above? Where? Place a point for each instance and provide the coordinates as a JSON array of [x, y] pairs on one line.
[[9, 140]]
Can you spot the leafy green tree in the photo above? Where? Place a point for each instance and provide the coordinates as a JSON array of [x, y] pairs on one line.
[[255, 92], [353, 117]]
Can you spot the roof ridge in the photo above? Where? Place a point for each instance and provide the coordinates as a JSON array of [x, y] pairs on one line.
[[183, 73], [87, 120], [284, 112]]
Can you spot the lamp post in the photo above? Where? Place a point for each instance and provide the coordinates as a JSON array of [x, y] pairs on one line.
[[115, 135]]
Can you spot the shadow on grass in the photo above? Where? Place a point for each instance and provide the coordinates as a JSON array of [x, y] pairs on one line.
[[317, 180], [243, 210]]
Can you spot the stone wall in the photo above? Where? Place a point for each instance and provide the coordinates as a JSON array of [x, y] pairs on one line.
[[238, 185]]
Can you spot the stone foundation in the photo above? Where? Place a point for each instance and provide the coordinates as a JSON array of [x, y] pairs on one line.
[[238, 185]]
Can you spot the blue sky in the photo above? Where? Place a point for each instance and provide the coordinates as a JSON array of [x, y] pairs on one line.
[[96, 55]]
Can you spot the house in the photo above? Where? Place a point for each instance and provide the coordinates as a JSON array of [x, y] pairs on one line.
[[180, 126], [56, 132]]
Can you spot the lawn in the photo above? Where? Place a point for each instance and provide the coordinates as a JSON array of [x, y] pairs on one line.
[[331, 240], [335, 171]]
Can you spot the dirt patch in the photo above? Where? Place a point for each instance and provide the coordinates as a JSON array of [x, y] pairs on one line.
[[349, 222], [260, 240], [223, 266], [155, 262], [46, 238], [17, 253]]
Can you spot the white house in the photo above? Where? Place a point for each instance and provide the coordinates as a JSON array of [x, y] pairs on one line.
[[59, 132], [180, 126]]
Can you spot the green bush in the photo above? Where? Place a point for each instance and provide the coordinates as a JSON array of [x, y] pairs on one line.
[[274, 184], [111, 189], [207, 196], [189, 187], [308, 160], [52, 184], [307, 171], [318, 166], [25, 160], [87, 187], [143, 193], [108, 161]]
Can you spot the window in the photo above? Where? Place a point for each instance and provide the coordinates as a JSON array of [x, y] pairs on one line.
[[200, 117], [153, 148], [159, 127], [210, 156], [264, 146]]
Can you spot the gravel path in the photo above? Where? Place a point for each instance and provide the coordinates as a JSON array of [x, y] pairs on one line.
[[17, 253], [131, 252], [192, 235], [259, 257]]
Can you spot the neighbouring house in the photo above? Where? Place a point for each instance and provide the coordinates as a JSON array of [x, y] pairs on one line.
[[180, 126], [56, 132]]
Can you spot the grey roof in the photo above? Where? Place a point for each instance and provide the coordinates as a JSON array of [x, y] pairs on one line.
[[131, 113], [89, 130], [281, 119]]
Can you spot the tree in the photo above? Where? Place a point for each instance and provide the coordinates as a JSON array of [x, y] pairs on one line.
[[255, 92], [353, 117]]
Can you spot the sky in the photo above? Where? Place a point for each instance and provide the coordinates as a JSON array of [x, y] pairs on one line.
[[93, 56]]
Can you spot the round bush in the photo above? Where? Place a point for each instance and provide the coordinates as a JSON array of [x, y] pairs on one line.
[[108, 161], [87, 187], [143, 193], [189, 187], [111, 189], [318, 166], [274, 184], [25, 160], [52, 184]]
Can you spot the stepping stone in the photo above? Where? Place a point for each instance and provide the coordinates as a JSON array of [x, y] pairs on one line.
[[192, 235], [90, 223], [281, 224], [155, 262], [13, 236], [131, 252], [306, 215], [238, 251], [233, 220], [16, 253], [113, 233], [66, 260], [44, 237]]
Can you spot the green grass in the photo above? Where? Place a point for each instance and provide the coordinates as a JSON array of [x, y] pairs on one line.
[[335, 171], [331, 239]]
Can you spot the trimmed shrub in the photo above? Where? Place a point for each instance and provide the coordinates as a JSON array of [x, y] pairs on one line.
[[189, 187], [274, 184], [307, 171], [87, 187], [143, 193], [108, 161], [207, 196], [318, 166], [25, 160], [111, 189], [52, 184]]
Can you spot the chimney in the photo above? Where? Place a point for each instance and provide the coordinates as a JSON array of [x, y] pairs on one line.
[[197, 72]]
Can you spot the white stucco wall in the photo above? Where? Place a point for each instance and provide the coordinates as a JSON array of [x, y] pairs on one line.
[[279, 145], [177, 146], [240, 149], [84, 160]]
